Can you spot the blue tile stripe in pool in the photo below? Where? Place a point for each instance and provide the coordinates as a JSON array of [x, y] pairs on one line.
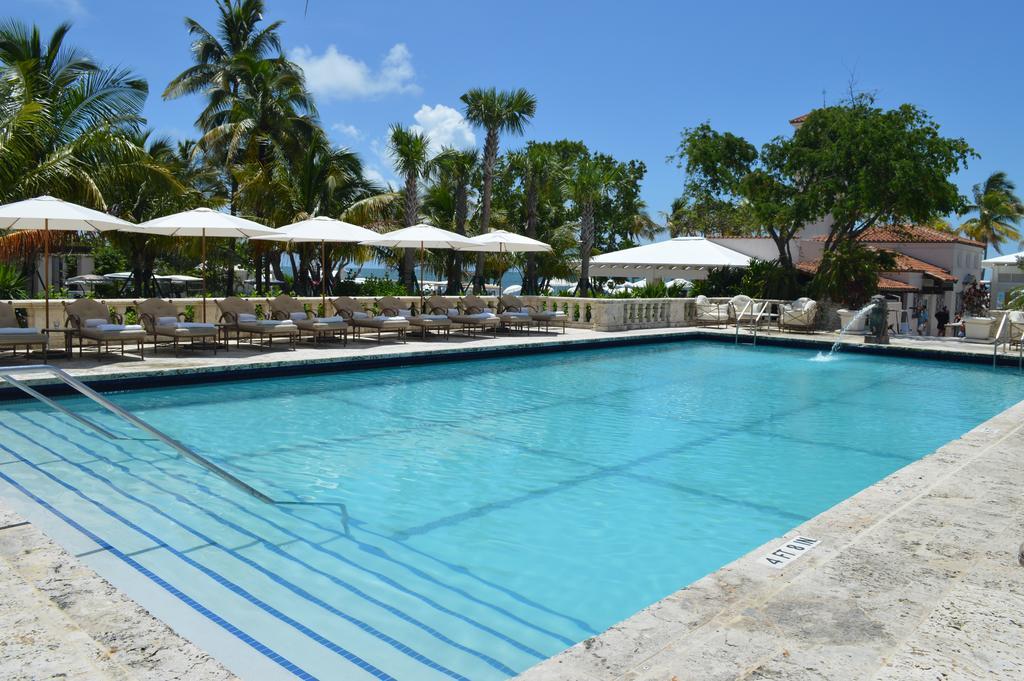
[[499, 510], [163, 584], [398, 645], [220, 579]]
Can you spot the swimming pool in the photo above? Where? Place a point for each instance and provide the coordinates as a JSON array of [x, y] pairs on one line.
[[500, 510]]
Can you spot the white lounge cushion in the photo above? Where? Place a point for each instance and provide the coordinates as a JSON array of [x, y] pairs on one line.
[[118, 327], [195, 325], [518, 313], [385, 318], [166, 321], [453, 312], [405, 314], [271, 322], [93, 323], [360, 315], [296, 316], [434, 317], [15, 330], [246, 317], [481, 315], [330, 320]]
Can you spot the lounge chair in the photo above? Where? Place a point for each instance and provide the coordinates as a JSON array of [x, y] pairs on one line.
[[798, 316], [473, 316], [359, 318], [92, 320], [743, 309], [428, 321], [514, 306], [709, 313], [1016, 326], [239, 315], [13, 335], [285, 307], [161, 319]]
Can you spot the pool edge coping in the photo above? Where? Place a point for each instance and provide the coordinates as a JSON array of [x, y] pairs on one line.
[[157, 377]]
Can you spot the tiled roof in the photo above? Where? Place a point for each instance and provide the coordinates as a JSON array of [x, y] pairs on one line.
[[905, 263], [893, 285], [908, 234], [799, 119], [884, 283]]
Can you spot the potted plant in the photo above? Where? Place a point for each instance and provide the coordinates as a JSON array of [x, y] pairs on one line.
[[977, 323]]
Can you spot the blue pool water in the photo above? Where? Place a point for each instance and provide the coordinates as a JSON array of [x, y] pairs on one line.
[[500, 510]]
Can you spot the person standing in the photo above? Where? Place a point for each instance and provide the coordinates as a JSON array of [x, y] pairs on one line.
[[942, 318], [922, 320]]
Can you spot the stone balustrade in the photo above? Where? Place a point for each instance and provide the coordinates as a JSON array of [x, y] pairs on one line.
[[599, 314]]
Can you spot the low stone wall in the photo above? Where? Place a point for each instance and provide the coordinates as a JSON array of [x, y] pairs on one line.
[[599, 314]]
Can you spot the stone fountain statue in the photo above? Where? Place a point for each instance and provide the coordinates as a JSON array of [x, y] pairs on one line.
[[878, 322]]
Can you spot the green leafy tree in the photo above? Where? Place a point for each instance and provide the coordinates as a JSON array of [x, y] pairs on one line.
[[849, 271], [497, 112], [997, 212]]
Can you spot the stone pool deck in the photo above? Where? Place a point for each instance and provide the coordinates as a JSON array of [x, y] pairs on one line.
[[915, 577]]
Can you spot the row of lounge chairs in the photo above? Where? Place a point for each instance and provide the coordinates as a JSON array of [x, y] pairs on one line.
[[800, 315], [91, 323]]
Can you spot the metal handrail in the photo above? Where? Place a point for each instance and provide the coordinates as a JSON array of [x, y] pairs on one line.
[[740, 316], [995, 342], [188, 453], [765, 305]]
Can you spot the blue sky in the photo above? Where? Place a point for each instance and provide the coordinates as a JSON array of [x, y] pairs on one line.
[[624, 77]]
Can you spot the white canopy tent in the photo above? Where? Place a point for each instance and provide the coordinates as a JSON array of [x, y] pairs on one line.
[[688, 257], [1009, 260]]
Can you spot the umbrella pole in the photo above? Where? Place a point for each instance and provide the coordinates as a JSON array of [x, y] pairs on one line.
[[323, 278], [204, 275], [421, 278], [46, 269]]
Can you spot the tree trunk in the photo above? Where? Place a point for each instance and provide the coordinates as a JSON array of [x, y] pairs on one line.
[[455, 264], [586, 246], [410, 214], [229, 279], [490, 158], [532, 217]]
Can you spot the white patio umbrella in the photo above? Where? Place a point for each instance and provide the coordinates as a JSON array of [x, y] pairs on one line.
[[49, 214], [422, 237], [320, 229], [201, 222], [501, 241]]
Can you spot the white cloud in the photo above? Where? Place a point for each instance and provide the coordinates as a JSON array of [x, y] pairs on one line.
[[75, 8], [445, 127], [348, 130], [336, 75]]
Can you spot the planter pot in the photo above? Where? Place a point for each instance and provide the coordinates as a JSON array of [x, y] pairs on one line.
[[847, 316], [978, 328]]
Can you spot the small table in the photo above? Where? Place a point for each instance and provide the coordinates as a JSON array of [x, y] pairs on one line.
[[69, 334]]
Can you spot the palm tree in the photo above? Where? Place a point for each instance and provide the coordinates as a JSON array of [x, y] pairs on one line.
[[215, 67], [537, 168], [410, 152], [321, 179], [454, 170], [66, 125], [998, 211], [62, 117], [586, 184], [496, 112]]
